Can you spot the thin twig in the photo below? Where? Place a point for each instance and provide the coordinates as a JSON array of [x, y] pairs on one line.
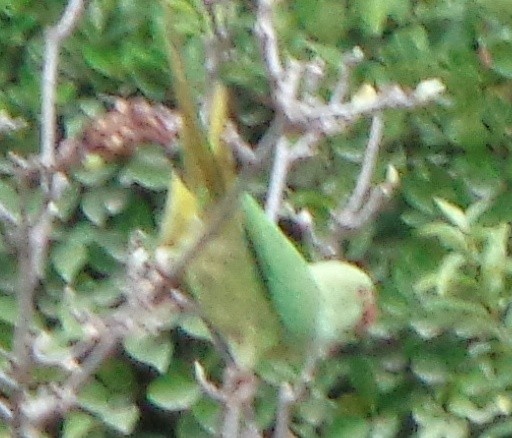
[[291, 394], [314, 72], [309, 114], [107, 342], [268, 42], [27, 283], [348, 61], [285, 156], [287, 397], [278, 176], [54, 38], [364, 179], [239, 389], [241, 150]]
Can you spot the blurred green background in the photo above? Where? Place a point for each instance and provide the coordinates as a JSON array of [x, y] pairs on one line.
[[439, 361]]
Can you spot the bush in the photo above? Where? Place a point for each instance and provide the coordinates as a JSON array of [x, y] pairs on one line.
[[105, 334]]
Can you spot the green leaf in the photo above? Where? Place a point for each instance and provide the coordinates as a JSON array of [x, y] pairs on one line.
[[8, 309], [292, 288], [454, 214], [494, 258], [68, 201], [136, 215], [113, 410], [348, 426], [113, 242], [104, 60], [100, 260], [195, 327], [433, 421], [373, 14], [188, 427], [155, 351], [9, 200], [105, 293], [78, 425], [118, 377], [450, 237], [500, 429], [69, 258], [97, 176], [468, 131], [100, 203], [502, 62], [315, 410], [458, 309], [208, 414], [448, 273], [174, 391], [149, 167], [465, 408], [430, 369], [121, 418], [72, 328], [326, 20]]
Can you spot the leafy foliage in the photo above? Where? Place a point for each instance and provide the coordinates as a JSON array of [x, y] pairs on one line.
[[437, 362]]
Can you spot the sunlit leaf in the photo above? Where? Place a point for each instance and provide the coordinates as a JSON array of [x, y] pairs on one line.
[[454, 214], [174, 391], [78, 425], [69, 258], [152, 350]]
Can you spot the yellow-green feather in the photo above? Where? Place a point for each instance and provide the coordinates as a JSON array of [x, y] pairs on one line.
[[223, 277], [201, 172]]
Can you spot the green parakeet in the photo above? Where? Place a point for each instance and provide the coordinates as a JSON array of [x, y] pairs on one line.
[[250, 282]]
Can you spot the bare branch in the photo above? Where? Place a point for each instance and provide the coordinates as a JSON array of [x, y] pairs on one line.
[[239, 389], [348, 61], [268, 41], [27, 283], [308, 113], [241, 150], [285, 156], [291, 394], [302, 111], [364, 180], [278, 176], [314, 72], [287, 398], [54, 38], [33, 238]]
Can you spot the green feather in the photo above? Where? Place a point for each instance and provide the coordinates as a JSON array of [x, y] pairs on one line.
[[225, 281], [292, 289]]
